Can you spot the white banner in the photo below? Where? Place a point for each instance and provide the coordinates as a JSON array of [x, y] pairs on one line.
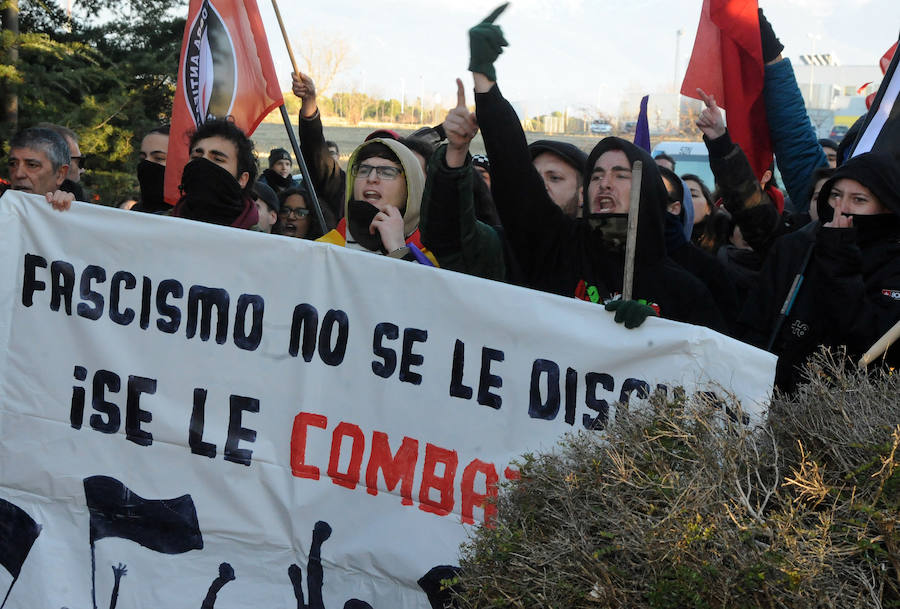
[[175, 396]]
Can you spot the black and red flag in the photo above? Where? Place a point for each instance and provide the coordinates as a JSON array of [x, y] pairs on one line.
[[226, 70]]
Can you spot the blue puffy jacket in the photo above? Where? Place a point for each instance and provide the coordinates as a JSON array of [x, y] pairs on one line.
[[794, 141]]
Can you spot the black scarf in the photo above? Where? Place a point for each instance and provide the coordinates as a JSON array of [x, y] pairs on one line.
[[210, 194], [614, 228], [151, 177], [276, 181], [359, 216], [871, 229]]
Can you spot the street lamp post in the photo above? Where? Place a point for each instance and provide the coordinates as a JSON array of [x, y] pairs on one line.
[[678, 34], [812, 64], [675, 89]]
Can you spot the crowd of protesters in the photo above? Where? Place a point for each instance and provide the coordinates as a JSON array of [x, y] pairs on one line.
[[786, 270]]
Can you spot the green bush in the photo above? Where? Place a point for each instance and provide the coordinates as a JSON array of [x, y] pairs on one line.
[[677, 506]]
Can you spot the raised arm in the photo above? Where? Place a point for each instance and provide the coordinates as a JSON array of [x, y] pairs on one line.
[[751, 208], [797, 149], [447, 222], [327, 177], [532, 222]]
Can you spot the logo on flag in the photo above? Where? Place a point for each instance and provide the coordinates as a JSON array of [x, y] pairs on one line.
[[225, 71], [210, 67]]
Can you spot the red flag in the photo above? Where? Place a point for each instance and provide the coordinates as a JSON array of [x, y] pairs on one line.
[[727, 62], [225, 70], [887, 57]]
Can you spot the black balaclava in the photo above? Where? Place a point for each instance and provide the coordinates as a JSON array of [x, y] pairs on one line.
[[210, 194], [650, 236], [359, 216], [880, 173], [151, 177]]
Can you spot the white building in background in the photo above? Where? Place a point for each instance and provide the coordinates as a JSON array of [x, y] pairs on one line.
[[834, 94]]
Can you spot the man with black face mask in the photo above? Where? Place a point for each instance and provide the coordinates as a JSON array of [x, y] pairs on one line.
[[151, 171], [582, 257], [216, 182]]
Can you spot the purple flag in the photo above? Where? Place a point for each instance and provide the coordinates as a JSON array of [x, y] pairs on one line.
[[642, 130]]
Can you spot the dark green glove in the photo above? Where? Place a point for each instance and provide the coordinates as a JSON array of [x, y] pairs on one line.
[[631, 312], [486, 42]]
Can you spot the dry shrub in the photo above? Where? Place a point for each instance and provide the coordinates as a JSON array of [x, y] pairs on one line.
[[678, 506]]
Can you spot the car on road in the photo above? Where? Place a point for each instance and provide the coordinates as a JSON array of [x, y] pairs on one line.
[[601, 127], [838, 132]]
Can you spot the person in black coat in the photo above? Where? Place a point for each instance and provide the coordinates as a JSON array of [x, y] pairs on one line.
[[325, 173], [703, 265], [850, 268], [582, 257]]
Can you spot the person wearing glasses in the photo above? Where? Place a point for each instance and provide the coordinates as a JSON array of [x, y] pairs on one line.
[[383, 197], [294, 219], [72, 183]]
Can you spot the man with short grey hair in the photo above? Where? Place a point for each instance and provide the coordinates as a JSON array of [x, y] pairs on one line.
[[38, 160], [72, 182]]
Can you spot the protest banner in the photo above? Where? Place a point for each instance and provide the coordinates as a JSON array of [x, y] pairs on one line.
[[196, 416]]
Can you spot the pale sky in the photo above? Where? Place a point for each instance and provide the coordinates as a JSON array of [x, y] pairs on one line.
[[561, 53]]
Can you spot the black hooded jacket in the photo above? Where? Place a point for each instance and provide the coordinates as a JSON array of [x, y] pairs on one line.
[[566, 256], [850, 293], [705, 267]]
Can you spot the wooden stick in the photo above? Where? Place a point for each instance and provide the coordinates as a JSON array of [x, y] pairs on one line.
[[875, 351], [285, 36], [634, 207], [307, 178]]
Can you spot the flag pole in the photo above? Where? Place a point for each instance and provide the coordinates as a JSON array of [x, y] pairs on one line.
[[8, 590], [789, 299], [93, 571], [889, 338], [631, 239], [317, 208]]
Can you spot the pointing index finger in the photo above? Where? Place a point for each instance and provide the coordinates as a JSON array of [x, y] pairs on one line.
[[708, 100], [496, 13], [460, 94]]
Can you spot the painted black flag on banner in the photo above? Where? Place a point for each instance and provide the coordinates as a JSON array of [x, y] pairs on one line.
[[18, 532], [163, 525]]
